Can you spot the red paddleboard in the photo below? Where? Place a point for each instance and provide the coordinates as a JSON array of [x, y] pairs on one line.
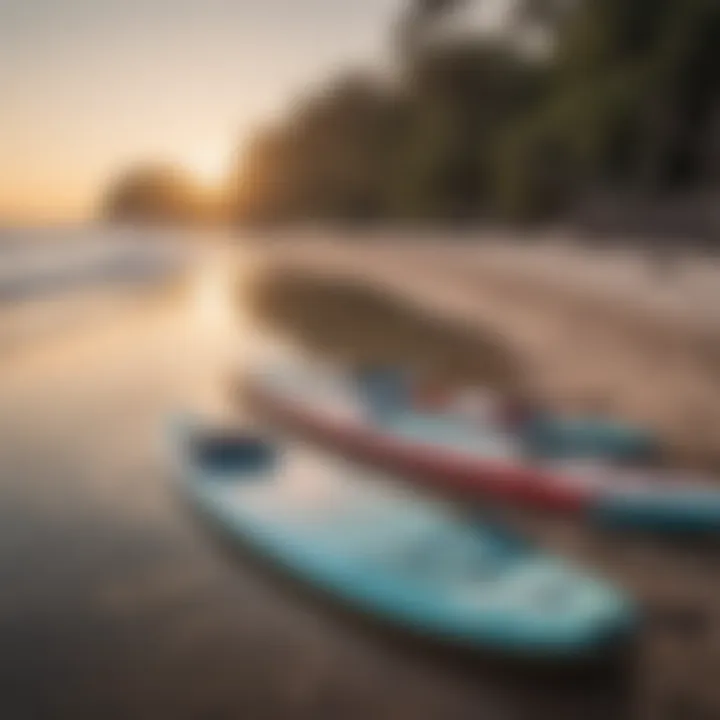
[[459, 471]]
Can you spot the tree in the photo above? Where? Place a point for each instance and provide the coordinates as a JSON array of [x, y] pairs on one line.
[[419, 19], [626, 96], [154, 193], [326, 161], [463, 96]]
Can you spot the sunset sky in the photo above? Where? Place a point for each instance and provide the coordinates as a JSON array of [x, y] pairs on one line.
[[88, 87]]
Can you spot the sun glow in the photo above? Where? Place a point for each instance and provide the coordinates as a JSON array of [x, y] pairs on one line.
[[210, 168]]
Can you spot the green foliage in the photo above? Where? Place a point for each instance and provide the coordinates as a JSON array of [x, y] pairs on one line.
[[477, 128], [688, 90], [466, 96], [583, 135], [652, 67]]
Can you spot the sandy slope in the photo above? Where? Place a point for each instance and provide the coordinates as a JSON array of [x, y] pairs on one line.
[[596, 330]]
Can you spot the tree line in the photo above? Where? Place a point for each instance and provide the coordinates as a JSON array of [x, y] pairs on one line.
[[568, 98]]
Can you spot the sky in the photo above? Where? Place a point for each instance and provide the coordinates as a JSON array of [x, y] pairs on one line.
[[89, 87]]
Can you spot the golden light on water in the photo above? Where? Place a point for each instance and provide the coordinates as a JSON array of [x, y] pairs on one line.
[[211, 298], [222, 323], [219, 297]]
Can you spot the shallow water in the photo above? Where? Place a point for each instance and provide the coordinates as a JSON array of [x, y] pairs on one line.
[[115, 603]]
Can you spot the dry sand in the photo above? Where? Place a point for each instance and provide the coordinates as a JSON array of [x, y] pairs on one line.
[[590, 329]]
